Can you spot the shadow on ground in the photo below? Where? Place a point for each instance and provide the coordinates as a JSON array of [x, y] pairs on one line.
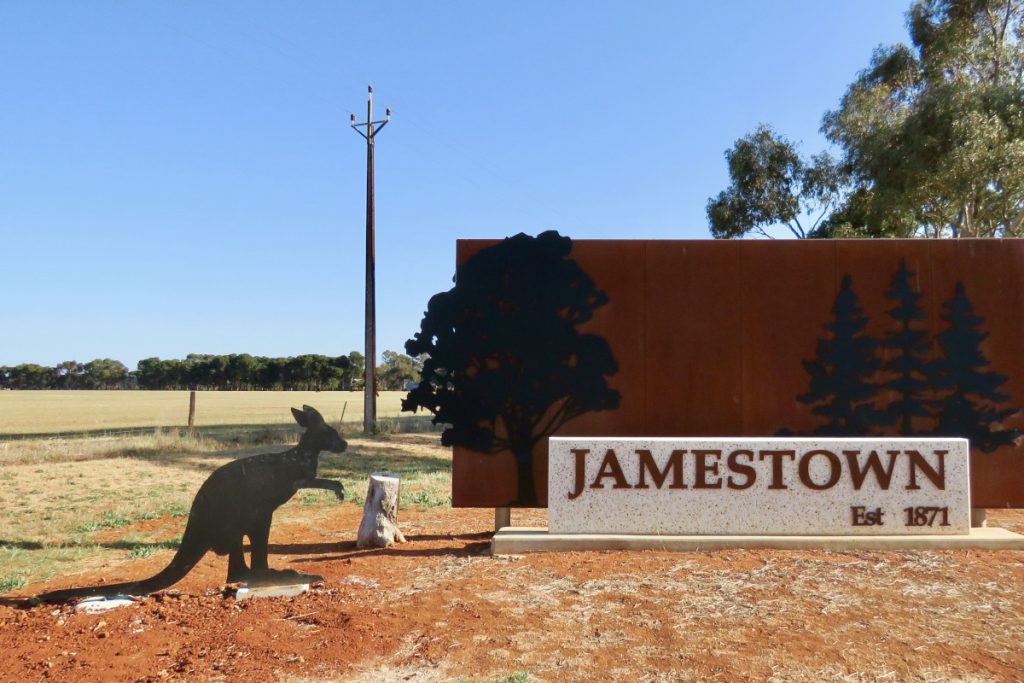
[[473, 545], [109, 545]]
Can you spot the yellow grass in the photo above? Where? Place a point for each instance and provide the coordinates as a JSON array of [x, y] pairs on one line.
[[48, 412]]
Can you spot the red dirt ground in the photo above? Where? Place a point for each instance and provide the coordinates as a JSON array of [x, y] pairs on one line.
[[441, 607]]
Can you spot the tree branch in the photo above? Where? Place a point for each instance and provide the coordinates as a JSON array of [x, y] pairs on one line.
[[551, 425], [566, 416], [1016, 222], [798, 232], [824, 211]]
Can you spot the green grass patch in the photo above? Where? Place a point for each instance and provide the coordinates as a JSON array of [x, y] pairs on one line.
[[517, 677], [175, 510], [428, 498], [109, 520], [45, 561], [12, 582], [140, 550]]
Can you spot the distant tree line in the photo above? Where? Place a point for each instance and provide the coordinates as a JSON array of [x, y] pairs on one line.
[[232, 372], [102, 373], [243, 372]]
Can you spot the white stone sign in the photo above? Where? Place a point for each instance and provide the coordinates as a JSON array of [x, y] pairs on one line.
[[744, 486]]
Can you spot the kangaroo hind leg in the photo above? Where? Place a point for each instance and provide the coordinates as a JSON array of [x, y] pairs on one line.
[[237, 569], [259, 538]]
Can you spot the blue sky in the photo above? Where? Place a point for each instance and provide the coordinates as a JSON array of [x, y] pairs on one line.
[[180, 177]]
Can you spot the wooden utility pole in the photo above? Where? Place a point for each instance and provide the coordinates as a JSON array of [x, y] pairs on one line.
[[369, 376]]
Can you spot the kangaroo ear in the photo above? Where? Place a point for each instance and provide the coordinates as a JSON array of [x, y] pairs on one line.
[[300, 417], [312, 413]]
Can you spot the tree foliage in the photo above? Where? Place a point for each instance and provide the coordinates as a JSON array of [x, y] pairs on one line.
[[397, 371], [930, 138], [770, 184], [507, 365]]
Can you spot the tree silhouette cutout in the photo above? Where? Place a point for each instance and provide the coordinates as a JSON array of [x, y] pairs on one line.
[[507, 364], [840, 387], [907, 364], [971, 408]]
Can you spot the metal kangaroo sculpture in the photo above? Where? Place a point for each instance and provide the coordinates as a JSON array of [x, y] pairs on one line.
[[238, 500]]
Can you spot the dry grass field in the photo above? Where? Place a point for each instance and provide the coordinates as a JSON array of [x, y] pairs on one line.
[[67, 476], [85, 509], [50, 412], [71, 504]]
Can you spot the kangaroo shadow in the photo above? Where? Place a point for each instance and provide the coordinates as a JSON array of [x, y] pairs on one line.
[[18, 603], [472, 545], [465, 545], [109, 545]]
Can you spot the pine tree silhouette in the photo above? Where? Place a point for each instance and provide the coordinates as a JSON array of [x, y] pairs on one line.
[[840, 375], [907, 367], [971, 409]]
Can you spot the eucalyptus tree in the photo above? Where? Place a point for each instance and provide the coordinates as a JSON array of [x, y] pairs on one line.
[[771, 185], [932, 134], [929, 139]]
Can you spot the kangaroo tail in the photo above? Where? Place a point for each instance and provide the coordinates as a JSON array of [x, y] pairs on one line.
[[189, 553]]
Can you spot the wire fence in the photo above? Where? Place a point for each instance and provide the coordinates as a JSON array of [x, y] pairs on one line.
[[59, 415]]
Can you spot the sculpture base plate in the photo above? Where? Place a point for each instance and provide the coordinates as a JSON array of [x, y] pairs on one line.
[[517, 540], [99, 604]]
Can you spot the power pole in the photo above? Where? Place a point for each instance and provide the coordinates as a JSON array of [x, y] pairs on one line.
[[369, 376]]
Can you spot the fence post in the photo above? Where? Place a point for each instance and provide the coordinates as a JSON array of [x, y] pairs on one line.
[[192, 412]]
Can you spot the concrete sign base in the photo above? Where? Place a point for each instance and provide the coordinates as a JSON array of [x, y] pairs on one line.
[[517, 540]]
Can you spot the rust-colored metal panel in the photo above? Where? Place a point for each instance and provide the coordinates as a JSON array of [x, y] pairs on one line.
[[872, 265], [479, 480], [992, 272], [788, 290], [622, 265], [693, 339], [713, 338], [485, 481]]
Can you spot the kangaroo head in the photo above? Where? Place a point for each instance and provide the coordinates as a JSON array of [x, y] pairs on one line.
[[319, 436]]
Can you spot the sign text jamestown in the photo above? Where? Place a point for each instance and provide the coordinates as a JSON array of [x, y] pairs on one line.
[[759, 486]]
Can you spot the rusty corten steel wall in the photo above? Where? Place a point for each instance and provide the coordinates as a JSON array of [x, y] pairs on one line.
[[710, 337]]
